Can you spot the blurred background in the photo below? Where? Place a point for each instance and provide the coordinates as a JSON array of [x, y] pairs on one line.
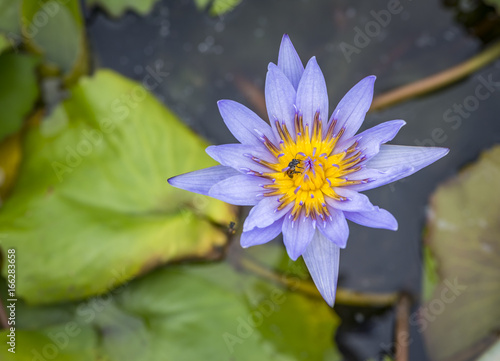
[[103, 100]]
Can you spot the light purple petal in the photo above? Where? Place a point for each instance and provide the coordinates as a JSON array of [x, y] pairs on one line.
[[280, 99], [377, 218], [335, 229], [297, 235], [377, 178], [355, 201], [265, 213], [312, 95], [370, 140], [261, 235], [397, 155], [240, 190], [239, 156], [394, 162], [245, 125], [350, 112], [322, 261], [200, 181], [289, 61]]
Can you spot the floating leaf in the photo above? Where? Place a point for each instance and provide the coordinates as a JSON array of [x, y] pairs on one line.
[[117, 8], [92, 207], [65, 342], [464, 238], [55, 29], [202, 4], [4, 43], [18, 91], [204, 312], [9, 17], [217, 7], [220, 7], [430, 276]]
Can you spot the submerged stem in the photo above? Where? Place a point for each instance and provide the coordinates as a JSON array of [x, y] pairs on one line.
[[438, 80], [344, 296], [402, 328]]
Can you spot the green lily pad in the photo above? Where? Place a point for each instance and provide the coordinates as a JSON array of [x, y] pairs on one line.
[[9, 17], [217, 7], [65, 342], [92, 207], [56, 30], [464, 239], [198, 312], [18, 91], [4, 43], [117, 8]]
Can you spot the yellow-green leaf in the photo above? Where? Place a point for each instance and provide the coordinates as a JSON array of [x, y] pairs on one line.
[[18, 91], [117, 8], [198, 312], [9, 17], [464, 239], [55, 29], [92, 207], [217, 7]]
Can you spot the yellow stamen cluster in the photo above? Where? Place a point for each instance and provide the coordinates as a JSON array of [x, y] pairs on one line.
[[306, 170]]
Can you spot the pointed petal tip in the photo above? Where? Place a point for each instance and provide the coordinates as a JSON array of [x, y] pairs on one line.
[[322, 261], [393, 224], [176, 181], [330, 301], [368, 81], [245, 245], [171, 181], [312, 62], [210, 150], [225, 102], [292, 255], [271, 66], [439, 152], [221, 103], [289, 61]]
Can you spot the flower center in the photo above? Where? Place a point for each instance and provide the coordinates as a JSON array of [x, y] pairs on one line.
[[307, 170]]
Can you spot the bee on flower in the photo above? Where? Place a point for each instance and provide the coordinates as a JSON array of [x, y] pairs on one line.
[[304, 172]]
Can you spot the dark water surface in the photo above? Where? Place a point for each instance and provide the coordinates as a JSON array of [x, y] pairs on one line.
[[209, 58]]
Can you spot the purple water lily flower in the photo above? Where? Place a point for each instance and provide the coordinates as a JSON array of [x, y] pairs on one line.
[[303, 174]]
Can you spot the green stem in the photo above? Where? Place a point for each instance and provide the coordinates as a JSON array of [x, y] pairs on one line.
[[438, 80], [343, 296]]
